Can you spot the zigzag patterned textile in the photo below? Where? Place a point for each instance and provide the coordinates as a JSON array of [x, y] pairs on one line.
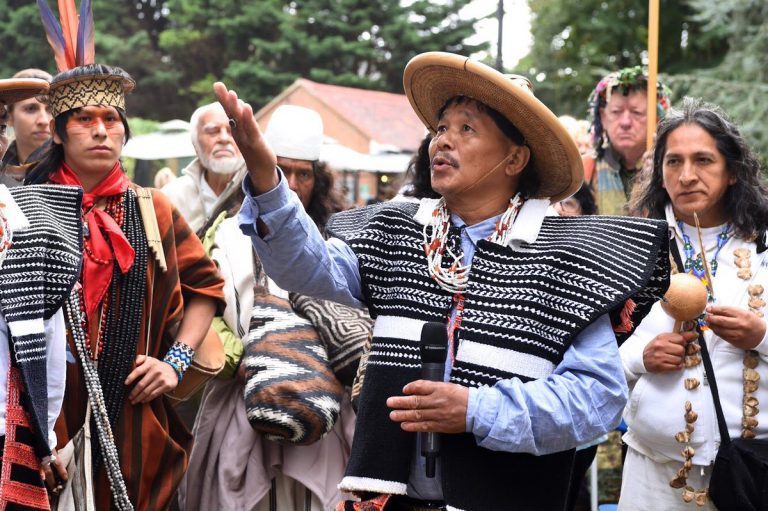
[[68, 95], [344, 331], [524, 305], [38, 274], [291, 393]]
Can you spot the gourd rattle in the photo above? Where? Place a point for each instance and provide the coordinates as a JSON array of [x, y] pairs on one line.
[[685, 299]]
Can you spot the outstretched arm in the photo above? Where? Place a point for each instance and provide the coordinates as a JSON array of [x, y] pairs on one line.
[[259, 157]]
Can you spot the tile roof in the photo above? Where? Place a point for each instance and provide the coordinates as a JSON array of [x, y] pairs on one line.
[[385, 117]]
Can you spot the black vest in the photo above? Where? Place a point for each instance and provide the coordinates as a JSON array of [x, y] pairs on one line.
[[523, 306], [41, 268]]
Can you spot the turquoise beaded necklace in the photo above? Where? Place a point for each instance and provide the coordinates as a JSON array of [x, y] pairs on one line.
[[696, 265]]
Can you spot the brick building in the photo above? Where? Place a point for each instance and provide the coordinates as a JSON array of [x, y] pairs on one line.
[[370, 135]]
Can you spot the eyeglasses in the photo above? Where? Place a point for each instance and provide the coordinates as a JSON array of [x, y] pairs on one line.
[[570, 205]]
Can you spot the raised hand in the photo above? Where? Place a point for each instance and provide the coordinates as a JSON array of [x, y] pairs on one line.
[[259, 157]]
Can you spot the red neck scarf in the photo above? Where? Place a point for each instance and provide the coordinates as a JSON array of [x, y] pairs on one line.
[[97, 268]]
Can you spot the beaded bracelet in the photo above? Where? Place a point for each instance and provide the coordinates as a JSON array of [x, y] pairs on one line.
[[180, 358]]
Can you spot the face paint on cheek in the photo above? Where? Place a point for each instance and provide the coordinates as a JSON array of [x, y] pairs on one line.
[[81, 123]]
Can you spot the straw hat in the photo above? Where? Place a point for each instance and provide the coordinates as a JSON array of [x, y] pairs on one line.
[[432, 78], [19, 89]]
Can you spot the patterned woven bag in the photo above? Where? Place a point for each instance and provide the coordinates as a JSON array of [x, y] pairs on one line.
[[344, 331], [291, 393]]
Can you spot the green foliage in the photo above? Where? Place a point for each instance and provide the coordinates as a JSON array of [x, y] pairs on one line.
[[175, 49], [739, 84], [576, 43], [714, 50], [141, 126], [22, 38]]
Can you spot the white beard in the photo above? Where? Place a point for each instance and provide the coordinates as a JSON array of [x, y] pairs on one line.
[[225, 166]]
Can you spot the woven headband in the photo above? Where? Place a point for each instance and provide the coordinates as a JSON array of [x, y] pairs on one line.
[[87, 92]]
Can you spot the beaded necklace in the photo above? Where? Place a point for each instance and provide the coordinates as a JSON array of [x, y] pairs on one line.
[[454, 278], [75, 313], [114, 207], [6, 235], [124, 314], [112, 357], [696, 265]]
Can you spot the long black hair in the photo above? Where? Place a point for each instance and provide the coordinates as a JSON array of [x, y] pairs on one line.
[[326, 200], [418, 175], [745, 202]]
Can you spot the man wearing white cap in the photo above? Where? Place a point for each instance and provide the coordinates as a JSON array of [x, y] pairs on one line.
[[294, 136], [261, 474], [214, 175], [532, 366]]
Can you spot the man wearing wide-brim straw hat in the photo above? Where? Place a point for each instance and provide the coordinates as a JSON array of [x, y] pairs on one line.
[[532, 368]]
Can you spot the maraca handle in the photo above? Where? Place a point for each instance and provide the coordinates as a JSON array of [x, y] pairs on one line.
[[676, 328]]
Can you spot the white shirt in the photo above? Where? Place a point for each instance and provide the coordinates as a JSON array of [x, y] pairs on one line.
[[654, 411], [56, 345]]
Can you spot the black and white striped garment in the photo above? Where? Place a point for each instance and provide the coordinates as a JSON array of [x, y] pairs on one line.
[[39, 272], [524, 305]]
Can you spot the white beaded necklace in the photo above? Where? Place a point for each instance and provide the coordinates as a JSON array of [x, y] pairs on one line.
[[105, 436], [454, 278], [6, 235]]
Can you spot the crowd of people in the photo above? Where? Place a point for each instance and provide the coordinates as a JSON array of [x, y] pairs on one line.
[[243, 339]]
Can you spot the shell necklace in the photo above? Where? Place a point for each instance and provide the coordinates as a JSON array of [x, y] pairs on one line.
[[750, 378], [6, 234], [454, 278]]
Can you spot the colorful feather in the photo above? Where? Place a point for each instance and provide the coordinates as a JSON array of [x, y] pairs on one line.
[[68, 17], [54, 35], [86, 51]]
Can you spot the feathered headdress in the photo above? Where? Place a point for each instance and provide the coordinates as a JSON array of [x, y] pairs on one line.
[[72, 40], [80, 81]]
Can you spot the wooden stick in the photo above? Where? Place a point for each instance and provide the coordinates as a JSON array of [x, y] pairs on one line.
[[653, 66], [710, 284], [151, 229]]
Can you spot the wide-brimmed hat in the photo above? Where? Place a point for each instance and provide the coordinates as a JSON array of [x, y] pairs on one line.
[[19, 89], [432, 78]]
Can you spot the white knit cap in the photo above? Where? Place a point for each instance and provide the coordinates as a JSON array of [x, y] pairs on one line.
[[295, 132]]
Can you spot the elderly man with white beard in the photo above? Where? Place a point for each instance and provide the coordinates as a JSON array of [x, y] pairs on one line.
[[210, 179]]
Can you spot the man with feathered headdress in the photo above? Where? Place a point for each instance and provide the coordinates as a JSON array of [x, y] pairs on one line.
[[146, 297]]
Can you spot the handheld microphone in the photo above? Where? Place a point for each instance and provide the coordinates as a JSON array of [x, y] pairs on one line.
[[433, 348]]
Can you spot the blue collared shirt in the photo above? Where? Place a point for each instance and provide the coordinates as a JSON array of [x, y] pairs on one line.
[[580, 401]]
